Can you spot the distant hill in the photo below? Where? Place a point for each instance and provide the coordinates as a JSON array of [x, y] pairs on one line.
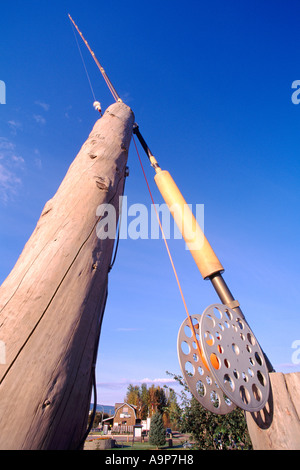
[[109, 409]]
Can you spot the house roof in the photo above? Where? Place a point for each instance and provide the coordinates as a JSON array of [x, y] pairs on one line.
[[118, 406], [134, 407]]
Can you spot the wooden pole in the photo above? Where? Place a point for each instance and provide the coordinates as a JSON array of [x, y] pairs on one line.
[[52, 302]]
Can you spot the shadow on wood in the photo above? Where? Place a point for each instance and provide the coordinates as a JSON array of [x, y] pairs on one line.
[[277, 425]]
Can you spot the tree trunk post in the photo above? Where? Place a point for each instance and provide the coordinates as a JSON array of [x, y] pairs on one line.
[[277, 425], [52, 302]]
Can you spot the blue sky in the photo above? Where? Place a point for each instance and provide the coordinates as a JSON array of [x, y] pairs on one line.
[[210, 86]]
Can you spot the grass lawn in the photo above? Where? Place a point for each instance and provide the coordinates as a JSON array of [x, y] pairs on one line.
[[146, 446], [178, 440]]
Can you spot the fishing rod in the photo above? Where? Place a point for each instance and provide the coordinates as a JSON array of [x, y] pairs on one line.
[[107, 80], [229, 356]]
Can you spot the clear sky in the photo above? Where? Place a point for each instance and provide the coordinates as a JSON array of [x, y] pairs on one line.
[[210, 84]]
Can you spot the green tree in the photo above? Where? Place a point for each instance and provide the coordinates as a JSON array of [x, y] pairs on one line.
[[133, 395], [160, 399], [157, 434], [99, 417], [144, 394], [172, 409], [156, 398], [208, 430]]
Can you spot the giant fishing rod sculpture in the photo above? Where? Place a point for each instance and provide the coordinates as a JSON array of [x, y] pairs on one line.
[[219, 355]]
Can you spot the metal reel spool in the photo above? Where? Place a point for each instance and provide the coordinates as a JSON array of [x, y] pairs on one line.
[[198, 378], [240, 367]]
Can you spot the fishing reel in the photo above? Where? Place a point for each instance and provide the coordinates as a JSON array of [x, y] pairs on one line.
[[222, 362]]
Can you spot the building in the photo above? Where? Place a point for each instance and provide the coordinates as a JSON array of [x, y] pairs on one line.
[[125, 415]]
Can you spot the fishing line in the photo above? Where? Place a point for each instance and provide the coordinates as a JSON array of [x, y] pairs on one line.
[[192, 327], [88, 77]]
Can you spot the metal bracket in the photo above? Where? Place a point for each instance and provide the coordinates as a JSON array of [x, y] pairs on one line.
[[233, 304]]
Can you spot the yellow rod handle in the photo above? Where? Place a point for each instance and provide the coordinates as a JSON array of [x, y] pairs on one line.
[[203, 254]]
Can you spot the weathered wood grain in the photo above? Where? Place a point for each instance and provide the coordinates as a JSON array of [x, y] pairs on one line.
[[277, 426]]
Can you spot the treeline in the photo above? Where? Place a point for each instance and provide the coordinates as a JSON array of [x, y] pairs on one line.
[[154, 399]]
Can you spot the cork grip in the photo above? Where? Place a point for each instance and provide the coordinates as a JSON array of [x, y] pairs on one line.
[[203, 254]]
